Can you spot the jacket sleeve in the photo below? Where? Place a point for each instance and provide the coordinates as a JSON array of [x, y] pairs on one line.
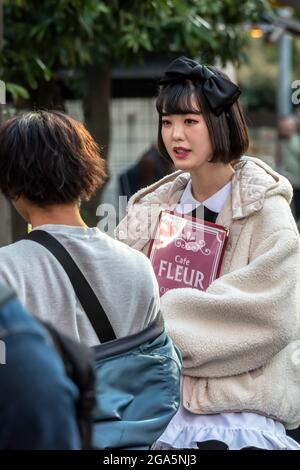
[[244, 318], [137, 227]]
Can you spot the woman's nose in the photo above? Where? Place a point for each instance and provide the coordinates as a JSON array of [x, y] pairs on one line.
[[178, 133]]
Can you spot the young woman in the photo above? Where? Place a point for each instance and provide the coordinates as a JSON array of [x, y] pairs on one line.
[[241, 377], [48, 164]]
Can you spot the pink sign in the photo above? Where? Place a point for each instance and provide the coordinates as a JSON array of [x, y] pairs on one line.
[[186, 252]]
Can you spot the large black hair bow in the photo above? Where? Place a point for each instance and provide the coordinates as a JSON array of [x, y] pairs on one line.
[[219, 92]]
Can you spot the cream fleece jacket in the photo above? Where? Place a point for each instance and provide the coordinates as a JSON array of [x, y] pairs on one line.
[[241, 338]]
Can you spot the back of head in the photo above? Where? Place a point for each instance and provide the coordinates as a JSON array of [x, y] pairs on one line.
[[48, 158]]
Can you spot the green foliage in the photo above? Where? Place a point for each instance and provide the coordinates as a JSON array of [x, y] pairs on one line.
[[259, 94], [42, 38], [16, 91]]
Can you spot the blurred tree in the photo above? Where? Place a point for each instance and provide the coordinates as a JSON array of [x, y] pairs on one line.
[[43, 39]]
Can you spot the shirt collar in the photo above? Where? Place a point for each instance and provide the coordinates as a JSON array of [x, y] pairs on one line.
[[214, 203]]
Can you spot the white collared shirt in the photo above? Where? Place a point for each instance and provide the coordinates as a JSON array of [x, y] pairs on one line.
[[215, 202]]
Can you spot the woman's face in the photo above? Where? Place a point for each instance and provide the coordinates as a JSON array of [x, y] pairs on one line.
[[186, 139]]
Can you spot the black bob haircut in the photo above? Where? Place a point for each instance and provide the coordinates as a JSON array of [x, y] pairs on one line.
[[228, 132], [49, 158]]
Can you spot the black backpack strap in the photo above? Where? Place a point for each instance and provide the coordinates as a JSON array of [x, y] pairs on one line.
[[85, 294]]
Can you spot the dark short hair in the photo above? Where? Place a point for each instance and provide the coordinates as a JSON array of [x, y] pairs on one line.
[[49, 158], [228, 132]]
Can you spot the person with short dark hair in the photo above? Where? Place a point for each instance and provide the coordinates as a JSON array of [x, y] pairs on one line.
[[241, 381], [49, 163], [48, 158], [227, 131]]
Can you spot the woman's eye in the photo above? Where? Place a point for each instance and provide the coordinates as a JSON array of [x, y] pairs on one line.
[[190, 121], [166, 123]]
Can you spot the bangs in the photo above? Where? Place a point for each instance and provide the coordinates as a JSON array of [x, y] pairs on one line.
[[178, 98]]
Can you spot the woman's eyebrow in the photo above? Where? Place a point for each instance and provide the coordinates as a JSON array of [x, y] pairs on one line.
[[197, 113]]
